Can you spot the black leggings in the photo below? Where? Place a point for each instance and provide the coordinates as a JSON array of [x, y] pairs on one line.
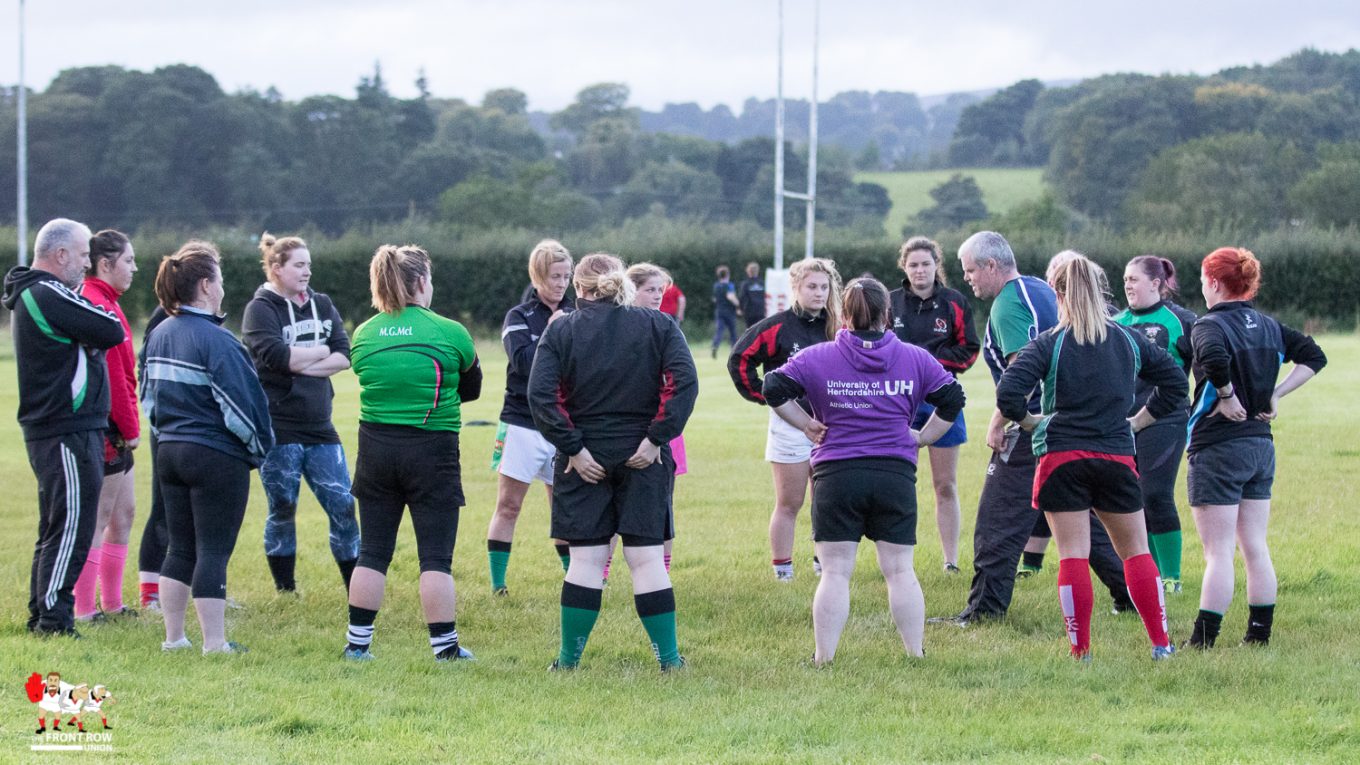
[[155, 537], [1160, 449], [205, 494], [399, 467]]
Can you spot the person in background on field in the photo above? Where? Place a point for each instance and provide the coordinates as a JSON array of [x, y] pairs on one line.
[[1238, 352], [751, 296], [1089, 369], [865, 390], [211, 420], [59, 343], [927, 313], [673, 303], [813, 318], [525, 454], [612, 416], [650, 281], [725, 307], [1149, 284], [112, 265], [1024, 307], [415, 369], [298, 341], [155, 536]]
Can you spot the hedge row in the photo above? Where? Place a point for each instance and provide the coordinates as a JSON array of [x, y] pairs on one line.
[[1310, 276]]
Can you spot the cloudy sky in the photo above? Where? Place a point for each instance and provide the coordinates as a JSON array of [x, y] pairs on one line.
[[708, 51]]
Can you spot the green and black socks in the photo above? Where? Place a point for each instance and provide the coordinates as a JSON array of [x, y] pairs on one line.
[[656, 609], [580, 609], [1205, 632], [564, 552], [498, 555]]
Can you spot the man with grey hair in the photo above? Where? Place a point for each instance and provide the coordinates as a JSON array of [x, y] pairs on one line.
[[59, 344], [1023, 307]]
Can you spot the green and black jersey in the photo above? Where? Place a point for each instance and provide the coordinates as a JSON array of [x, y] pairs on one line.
[[1167, 326], [415, 368]]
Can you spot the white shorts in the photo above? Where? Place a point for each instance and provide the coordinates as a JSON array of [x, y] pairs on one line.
[[527, 455], [784, 443]]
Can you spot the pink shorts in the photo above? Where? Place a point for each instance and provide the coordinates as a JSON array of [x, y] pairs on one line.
[[678, 454]]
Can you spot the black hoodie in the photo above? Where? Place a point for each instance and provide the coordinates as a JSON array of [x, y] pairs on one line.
[[59, 343], [300, 406]]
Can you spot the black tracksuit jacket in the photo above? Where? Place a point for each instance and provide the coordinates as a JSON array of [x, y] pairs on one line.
[[766, 347], [608, 375], [520, 332], [941, 323], [1233, 342]]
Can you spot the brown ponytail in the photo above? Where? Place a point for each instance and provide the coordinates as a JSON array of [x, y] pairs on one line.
[[179, 275]]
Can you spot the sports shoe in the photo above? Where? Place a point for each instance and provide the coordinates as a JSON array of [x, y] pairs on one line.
[[126, 612], [816, 566], [783, 576], [1118, 608], [357, 654], [950, 568], [176, 645], [152, 606], [93, 618], [1025, 572], [500, 592], [1171, 586], [674, 667], [227, 647], [555, 667], [455, 652], [1162, 652]]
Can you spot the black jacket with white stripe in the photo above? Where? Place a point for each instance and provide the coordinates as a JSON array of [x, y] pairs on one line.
[[524, 325], [59, 343]]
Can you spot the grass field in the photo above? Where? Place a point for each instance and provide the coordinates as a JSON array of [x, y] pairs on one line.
[[1001, 692], [1002, 189]]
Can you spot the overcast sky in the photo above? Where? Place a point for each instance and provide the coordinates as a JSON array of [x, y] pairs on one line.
[[708, 51]]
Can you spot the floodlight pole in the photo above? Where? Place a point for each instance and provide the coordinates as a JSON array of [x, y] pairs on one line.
[[21, 201]]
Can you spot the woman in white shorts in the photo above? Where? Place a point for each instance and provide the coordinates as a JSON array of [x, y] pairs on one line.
[[523, 454], [766, 346]]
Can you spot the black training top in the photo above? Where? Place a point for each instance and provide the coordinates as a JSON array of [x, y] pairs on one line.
[[1233, 342], [609, 372], [523, 326], [751, 296], [59, 343], [941, 323], [768, 345], [1088, 388]]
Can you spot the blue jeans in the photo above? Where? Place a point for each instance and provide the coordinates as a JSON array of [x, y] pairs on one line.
[[323, 465]]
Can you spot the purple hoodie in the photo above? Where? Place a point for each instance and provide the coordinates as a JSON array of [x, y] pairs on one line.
[[866, 393]]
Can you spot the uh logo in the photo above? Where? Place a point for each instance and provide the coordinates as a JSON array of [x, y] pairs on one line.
[[898, 387]]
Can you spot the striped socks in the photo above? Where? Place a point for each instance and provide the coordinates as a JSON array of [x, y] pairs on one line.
[[580, 610], [564, 552], [359, 636], [443, 639]]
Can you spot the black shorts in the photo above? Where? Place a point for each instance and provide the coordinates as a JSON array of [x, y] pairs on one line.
[[1230, 471], [1076, 481], [629, 502], [402, 467], [871, 497], [121, 463]]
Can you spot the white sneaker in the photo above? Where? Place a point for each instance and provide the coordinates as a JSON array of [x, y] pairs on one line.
[[227, 647], [177, 645]]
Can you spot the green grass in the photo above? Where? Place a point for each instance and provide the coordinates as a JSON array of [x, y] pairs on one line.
[[1004, 692], [1002, 189]]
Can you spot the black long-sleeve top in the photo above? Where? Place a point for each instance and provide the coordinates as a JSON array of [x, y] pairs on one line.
[[1088, 388], [941, 323], [523, 326], [609, 373], [1233, 342], [769, 345]]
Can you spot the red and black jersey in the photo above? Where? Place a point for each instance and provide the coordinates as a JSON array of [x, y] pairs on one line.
[[769, 344], [941, 324]]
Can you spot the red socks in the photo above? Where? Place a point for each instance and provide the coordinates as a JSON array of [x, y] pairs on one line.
[[1145, 588], [1074, 591], [150, 592], [111, 566]]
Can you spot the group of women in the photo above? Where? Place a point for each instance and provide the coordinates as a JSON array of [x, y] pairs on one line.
[[857, 379]]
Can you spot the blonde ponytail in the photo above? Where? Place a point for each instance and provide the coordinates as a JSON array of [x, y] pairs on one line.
[[1082, 308]]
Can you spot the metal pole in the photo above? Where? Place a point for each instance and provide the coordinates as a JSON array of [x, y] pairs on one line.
[[779, 152], [21, 203], [812, 136]]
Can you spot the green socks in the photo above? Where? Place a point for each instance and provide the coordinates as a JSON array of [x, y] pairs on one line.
[[580, 609], [564, 552], [498, 555], [657, 611], [1166, 551]]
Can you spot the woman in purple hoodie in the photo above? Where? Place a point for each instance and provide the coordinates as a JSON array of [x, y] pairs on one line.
[[864, 390]]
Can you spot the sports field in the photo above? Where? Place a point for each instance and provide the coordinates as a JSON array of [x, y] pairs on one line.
[[1002, 189], [1003, 692]]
